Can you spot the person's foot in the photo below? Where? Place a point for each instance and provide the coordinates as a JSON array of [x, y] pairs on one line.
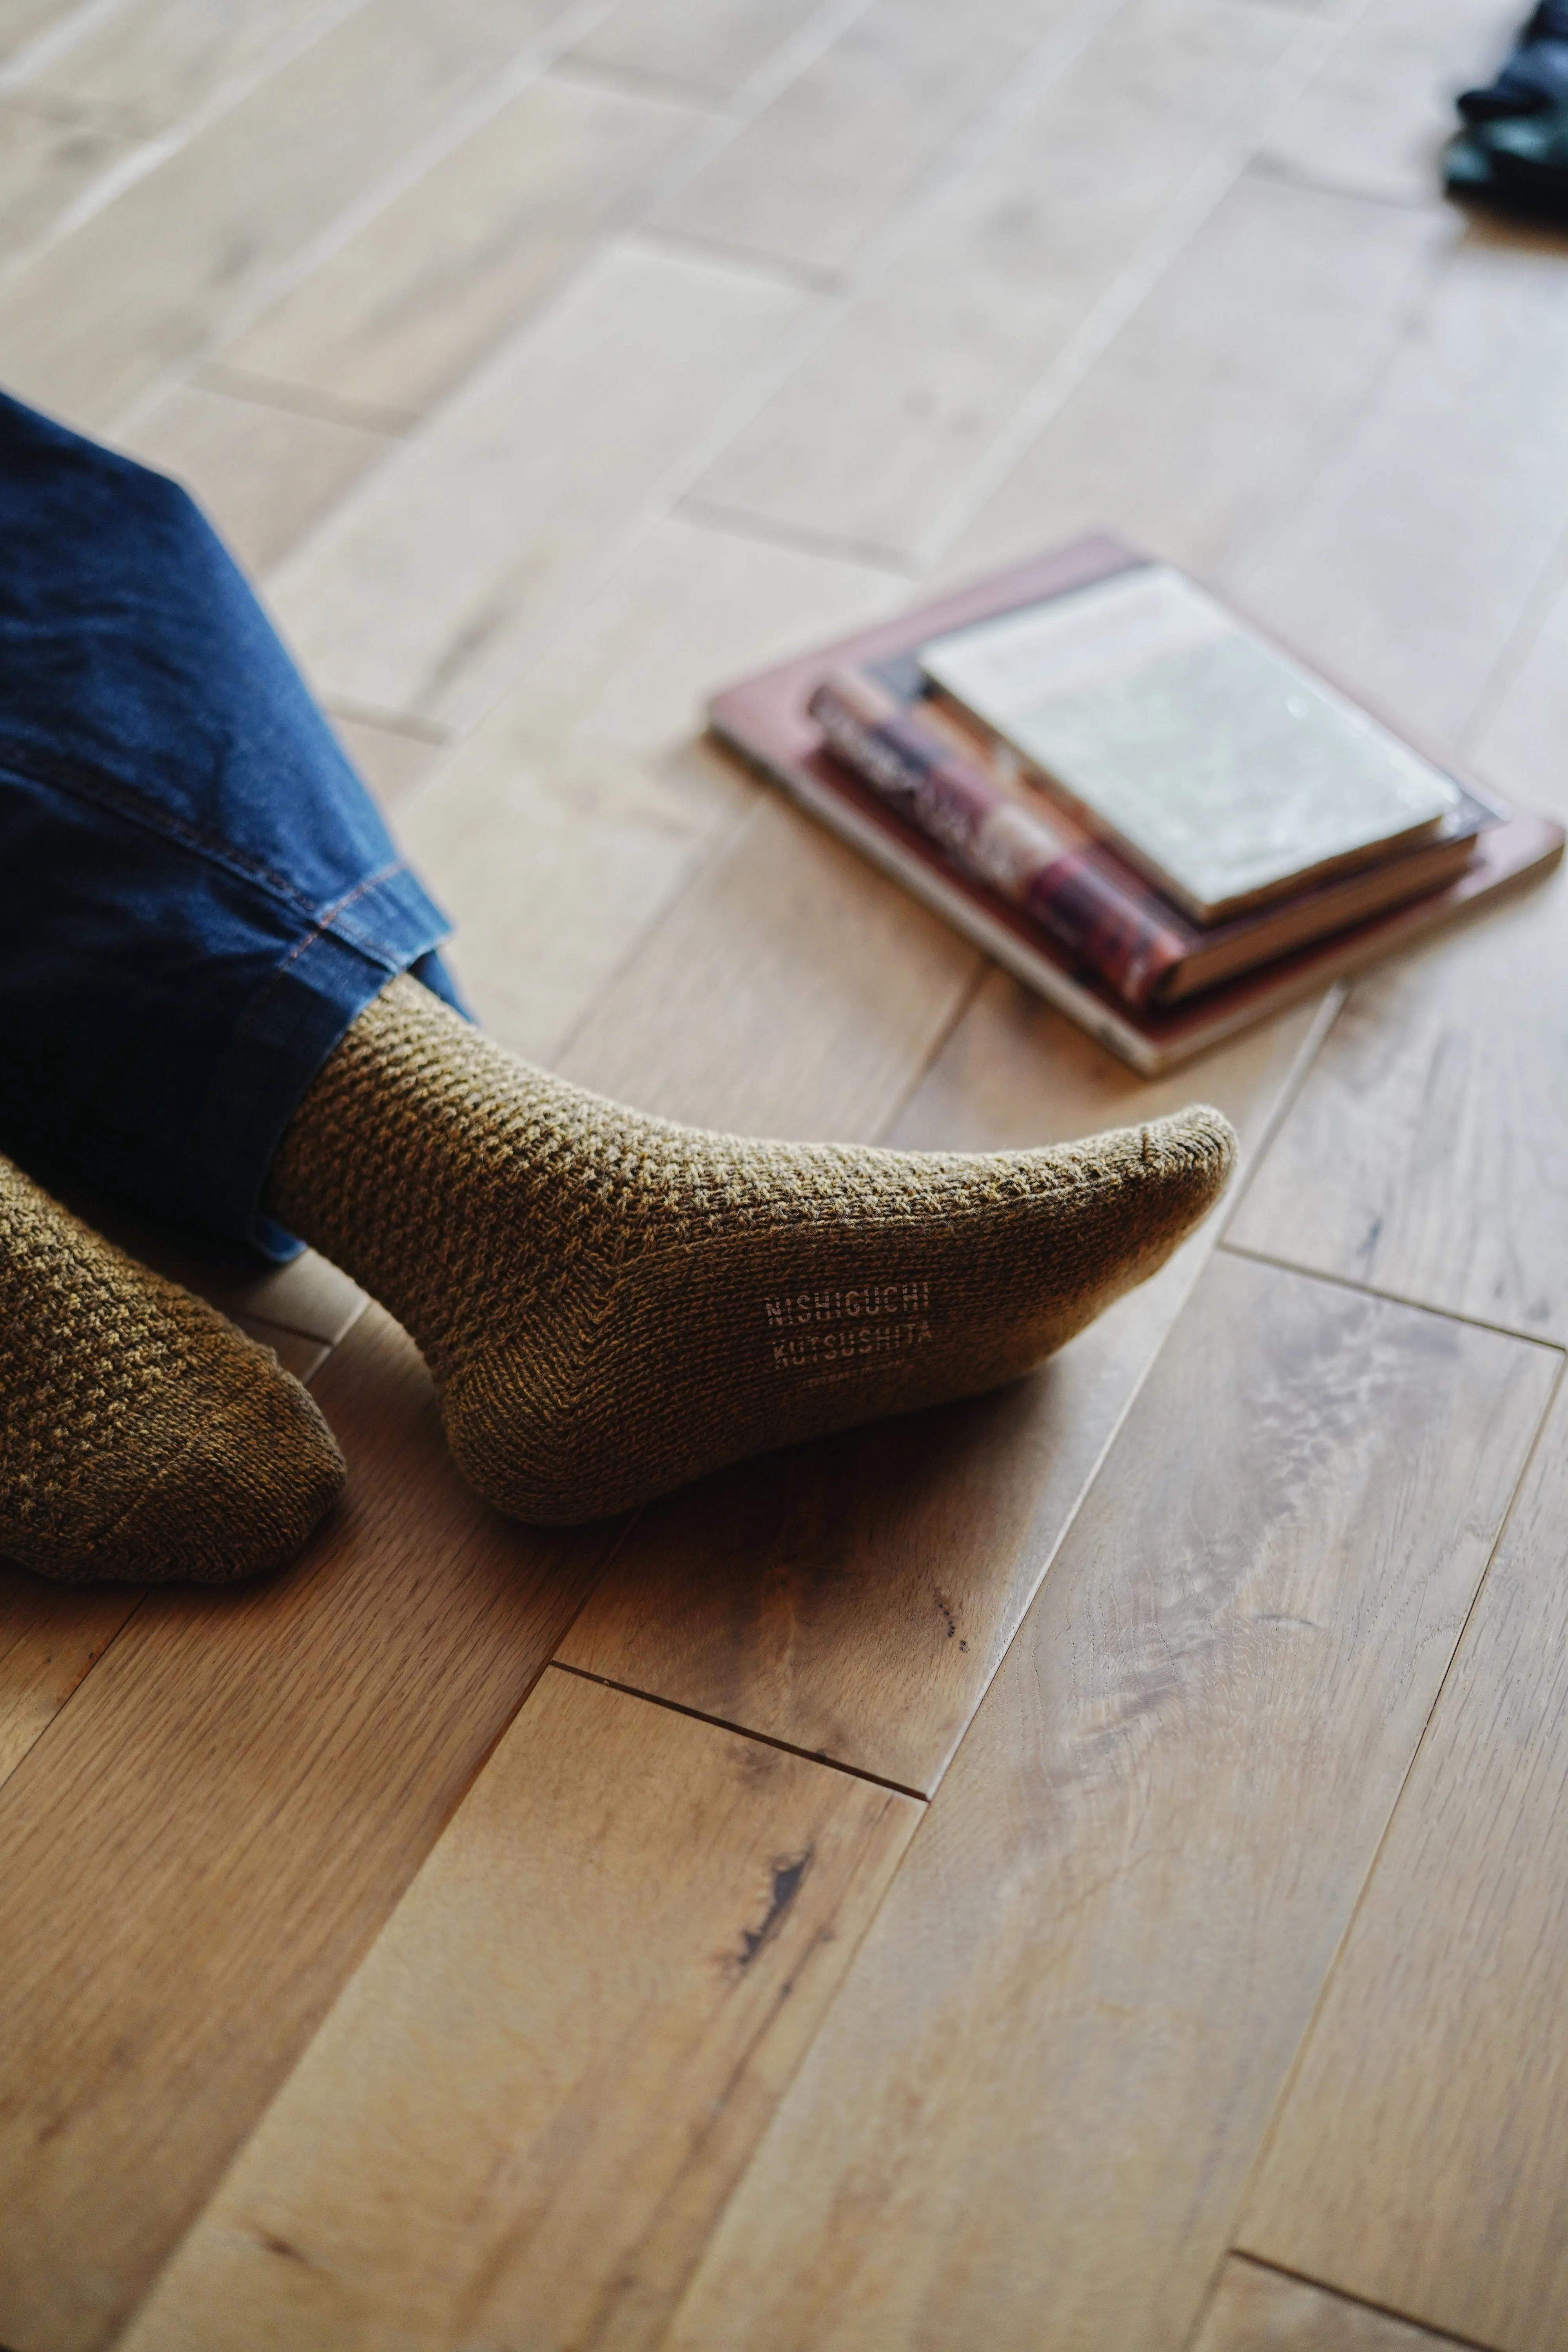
[[1535, 79], [612, 1305], [142, 1437]]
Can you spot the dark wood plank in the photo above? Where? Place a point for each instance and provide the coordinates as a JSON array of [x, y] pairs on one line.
[[520, 2120], [1420, 2152], [1030, 2116], [198, 1852], [51, 1635]]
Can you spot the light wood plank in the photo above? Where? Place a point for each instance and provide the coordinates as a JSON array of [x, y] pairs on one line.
[[1030, 2117], [421, 593], [1263, 337], [1411, 561], [1376, 119], [22, 22], [1420, 2149], [1260, 2310], [51, 1635], [393, 763], [560, 830], [302, 1357], [46, 167], [199, 1851], [856, 1598], [264, 473], [194, 249], [710, 46], [836, 989], [519, 2119], [1427, 1153], [146, 65], [400, 313], [842, 148], [885, 420], [1521, 743]]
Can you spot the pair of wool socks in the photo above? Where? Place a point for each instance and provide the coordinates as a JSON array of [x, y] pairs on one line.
[[610, 1304]]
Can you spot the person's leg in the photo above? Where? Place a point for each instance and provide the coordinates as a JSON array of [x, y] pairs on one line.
[[612, 1305], [140, 1436], [205, 931], [197, 895]]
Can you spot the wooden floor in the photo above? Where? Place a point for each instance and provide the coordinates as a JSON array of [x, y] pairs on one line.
[[1086, 1869]]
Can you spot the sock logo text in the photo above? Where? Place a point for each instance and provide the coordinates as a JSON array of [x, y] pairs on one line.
[[877, 1319]]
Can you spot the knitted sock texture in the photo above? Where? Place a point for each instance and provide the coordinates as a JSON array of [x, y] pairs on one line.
[[612, 1305], [143, 1437]]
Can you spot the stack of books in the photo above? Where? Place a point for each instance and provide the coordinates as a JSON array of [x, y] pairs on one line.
[[1153, 814]]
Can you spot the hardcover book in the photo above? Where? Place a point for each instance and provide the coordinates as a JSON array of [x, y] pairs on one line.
[[1002, 834], [970, 872], [1220, 768]]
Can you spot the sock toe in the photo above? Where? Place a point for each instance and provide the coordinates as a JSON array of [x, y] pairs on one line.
[[143, 1438], [242, 1496]]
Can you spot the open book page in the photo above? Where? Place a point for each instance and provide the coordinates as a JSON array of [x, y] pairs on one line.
[[1224, 770]]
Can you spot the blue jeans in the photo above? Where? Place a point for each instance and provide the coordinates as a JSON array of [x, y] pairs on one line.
[[197, 895]]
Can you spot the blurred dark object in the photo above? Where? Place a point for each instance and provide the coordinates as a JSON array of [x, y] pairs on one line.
[[1514, 149], [1535, 79]]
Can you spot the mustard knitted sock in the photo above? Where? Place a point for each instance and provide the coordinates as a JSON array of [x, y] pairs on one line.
[[142, 1436], [612, 1305]]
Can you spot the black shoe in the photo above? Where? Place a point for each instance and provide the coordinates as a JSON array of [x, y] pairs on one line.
[[1535, 79], [1521, 163]]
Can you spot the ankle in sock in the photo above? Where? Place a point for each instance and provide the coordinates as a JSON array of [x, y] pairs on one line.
[[143, 1437], [612, 1305]]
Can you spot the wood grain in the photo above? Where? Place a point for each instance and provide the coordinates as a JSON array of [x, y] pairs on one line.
[[1418, 2153], [1523, 733], [1427, 1153], [518, 2122], [709, 47], [561, 829], [1030, 2116], [147, 66], [1259, 2310], [395, 764], [1408, 567], [854, 1598], [1375, 119], [45, 168], [1205, 476], [883, 422], [420, 594], [836, 989], [262, 473], [51, 1636], [840, 152], [403, 311], [198, 1852], [188, 252]]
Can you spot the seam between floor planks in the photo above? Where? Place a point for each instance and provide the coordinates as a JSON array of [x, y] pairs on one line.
[[1359, 2302], [742, 1730], [1395, 1297], [1235, 2251]]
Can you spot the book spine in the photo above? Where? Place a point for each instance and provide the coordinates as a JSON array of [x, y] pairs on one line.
[[1067, 885]]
